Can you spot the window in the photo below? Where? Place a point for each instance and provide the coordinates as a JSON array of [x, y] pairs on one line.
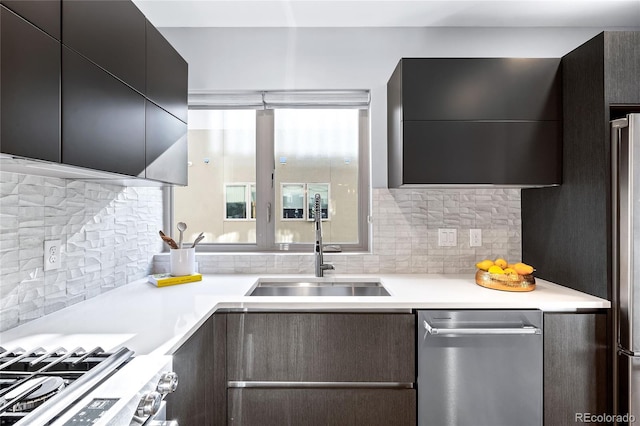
[[292, 201], [240, 201], [298, 200], [257, 159], [222, 152]]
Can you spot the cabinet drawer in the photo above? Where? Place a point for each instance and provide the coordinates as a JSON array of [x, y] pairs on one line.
[[321, 347], [309, 407]]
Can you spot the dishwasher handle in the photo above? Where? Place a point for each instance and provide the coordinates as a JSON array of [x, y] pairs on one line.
[[526, 329]]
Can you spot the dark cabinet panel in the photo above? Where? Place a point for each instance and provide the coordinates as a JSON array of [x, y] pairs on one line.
[[109, 33], [481, 89], [103, 120], [44, 14], [167, 75], [576, 367], [310, 407], [477, 121], [321, 347], [446, 152], [601, 72], [201, 396], [166, 146], [622, 66], [30, 79]]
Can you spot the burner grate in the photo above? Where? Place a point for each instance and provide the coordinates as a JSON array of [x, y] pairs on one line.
[[30, 379]]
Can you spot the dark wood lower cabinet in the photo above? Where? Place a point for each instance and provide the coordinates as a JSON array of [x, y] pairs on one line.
[[576, 367], [321, 347], [232, 348], [310, 407], [201, 396]]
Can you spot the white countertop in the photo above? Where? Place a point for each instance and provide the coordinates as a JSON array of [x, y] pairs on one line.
[[152, 320]]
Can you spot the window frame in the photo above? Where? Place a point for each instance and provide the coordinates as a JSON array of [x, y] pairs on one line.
[[266, 204]]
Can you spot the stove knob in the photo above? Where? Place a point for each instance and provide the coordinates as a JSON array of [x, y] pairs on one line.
[[168, 383], [149, 404]]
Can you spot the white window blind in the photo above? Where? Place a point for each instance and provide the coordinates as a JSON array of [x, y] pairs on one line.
[[280, 99]]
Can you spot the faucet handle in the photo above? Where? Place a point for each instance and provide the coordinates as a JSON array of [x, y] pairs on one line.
[[326, 266]]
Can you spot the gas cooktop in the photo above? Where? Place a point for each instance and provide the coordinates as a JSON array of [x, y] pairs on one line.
[[37, 381]]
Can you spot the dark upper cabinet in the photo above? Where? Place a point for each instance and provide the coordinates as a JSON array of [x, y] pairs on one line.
[[480, 89], [166, 146], [44, 14], [474, 121], [167, 75], [103, 120], [30, 81], [498, 153], [109, 33]]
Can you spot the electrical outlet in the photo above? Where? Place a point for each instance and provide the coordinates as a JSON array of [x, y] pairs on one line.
[[52, 255], [447, 237], [475, 237]]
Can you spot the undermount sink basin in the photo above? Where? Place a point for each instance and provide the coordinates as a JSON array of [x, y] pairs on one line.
[[318, 287]]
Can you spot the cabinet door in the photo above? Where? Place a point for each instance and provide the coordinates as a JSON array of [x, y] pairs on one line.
[[30, 101], [321, 347], [576, 367], [446, 152], [167, 75], [44, 14], [310, 407], [201, 396], [166, 146], [102, 119], [109, 33], [481, 89]]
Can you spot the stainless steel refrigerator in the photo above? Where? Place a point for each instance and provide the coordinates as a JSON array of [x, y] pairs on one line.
[[625, 155]]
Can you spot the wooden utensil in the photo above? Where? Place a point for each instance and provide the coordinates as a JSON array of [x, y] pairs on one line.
[[168, 240]]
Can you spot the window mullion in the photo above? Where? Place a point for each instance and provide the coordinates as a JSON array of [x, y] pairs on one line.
[[265, 193]]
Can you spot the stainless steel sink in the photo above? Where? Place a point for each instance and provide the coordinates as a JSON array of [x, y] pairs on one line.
[[311, 287]]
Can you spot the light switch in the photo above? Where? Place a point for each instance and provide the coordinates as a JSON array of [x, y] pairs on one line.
[[447, 237]]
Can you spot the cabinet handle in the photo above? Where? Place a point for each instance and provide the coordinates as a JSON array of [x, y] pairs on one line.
[[268, 384], [526, 329]]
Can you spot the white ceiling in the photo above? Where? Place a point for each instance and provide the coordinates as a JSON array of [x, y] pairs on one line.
[[390, 13]]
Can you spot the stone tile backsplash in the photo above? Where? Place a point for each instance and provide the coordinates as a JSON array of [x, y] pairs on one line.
[[405, 236], [108, 237]]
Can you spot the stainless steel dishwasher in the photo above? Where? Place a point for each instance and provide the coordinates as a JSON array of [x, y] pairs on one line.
[[480, 368]]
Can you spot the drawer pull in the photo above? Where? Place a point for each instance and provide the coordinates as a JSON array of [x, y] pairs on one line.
[[316, 385]]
